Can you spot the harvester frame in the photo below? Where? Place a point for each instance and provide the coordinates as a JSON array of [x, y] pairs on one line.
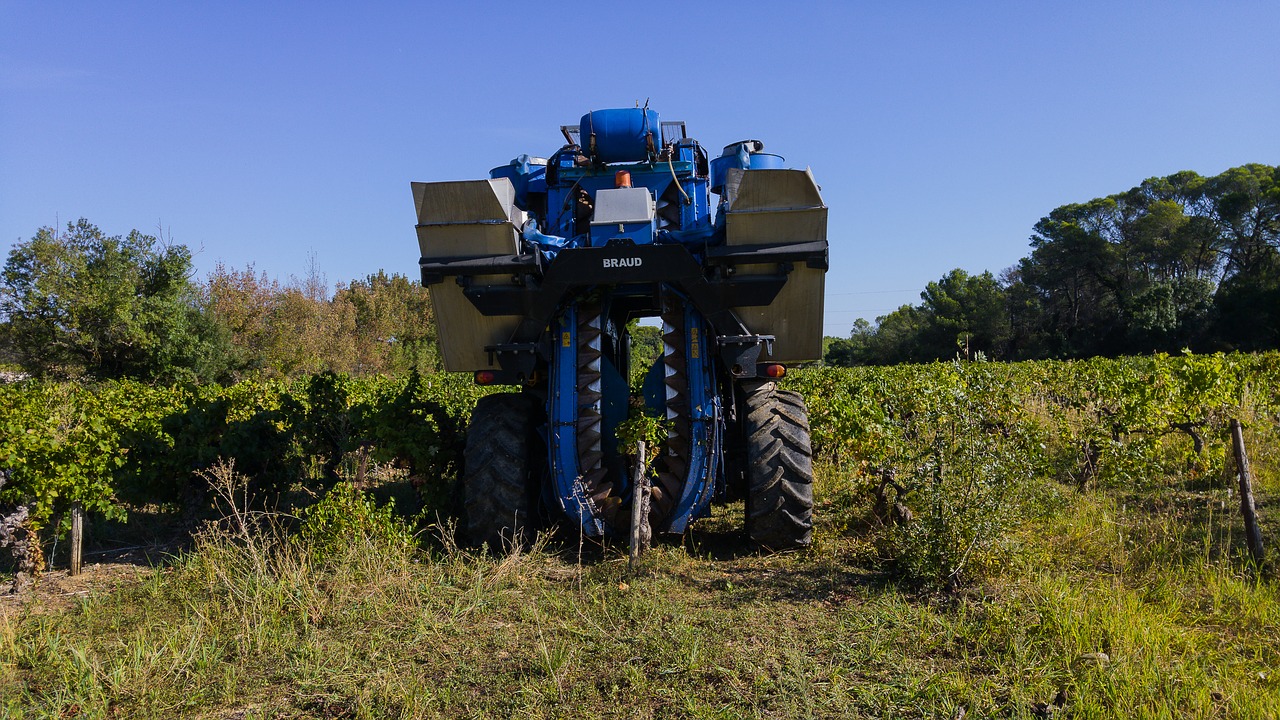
[[535, 275]]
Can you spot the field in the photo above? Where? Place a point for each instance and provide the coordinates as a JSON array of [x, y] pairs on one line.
[[1074, 549]]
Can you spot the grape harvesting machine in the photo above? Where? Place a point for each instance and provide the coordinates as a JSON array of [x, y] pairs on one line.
[[537, 276]]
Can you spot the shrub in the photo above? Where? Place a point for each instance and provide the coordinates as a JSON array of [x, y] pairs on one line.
[[347, 518]]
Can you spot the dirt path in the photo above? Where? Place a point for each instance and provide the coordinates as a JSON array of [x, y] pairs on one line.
[[103, 571]]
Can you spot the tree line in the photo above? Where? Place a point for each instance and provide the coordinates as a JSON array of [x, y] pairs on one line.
[[78, 303], [1178, 262]]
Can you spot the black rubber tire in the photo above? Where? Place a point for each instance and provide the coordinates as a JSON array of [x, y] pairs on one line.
[[779, 467], [499, 490]]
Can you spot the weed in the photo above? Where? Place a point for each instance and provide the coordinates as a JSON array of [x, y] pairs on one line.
[[345, 516]]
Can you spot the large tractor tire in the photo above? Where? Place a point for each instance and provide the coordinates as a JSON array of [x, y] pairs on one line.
[[500, 471], [779, 468]]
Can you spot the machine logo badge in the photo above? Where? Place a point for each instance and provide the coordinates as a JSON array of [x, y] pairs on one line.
[[623, 262]]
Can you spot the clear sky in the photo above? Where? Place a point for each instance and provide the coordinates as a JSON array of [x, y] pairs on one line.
[[940, 132]]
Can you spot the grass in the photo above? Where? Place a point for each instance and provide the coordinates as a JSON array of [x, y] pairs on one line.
[[1114, 604]]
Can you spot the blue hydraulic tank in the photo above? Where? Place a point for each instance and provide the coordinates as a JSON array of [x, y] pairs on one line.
[[620, 135]]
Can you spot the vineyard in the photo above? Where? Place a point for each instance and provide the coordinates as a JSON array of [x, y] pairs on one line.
[[1032, 517], [123, 444], [1131, 423]]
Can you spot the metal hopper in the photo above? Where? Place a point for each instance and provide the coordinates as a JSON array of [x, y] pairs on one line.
[[467, 220], [780, 206]]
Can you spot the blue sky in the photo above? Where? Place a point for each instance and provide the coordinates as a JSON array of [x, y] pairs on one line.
[[939, 132]]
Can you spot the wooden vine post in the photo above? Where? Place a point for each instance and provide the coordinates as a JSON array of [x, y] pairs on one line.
[[640, 531], [1253, 536], [77, 537]]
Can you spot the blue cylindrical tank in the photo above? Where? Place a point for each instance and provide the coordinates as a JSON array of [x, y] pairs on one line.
[[620, 135], [766, 161], [742, 160], [527, 174]]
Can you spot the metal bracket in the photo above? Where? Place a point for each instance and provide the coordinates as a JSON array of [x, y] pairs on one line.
[[518, 362], [741, 353], [435, 270]]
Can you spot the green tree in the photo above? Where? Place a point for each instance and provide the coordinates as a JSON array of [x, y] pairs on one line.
[[1246, 207], [1182, 261], [80, 302], [1026, 317], [394, 327], [1076, 271], [1151, 268], [646, 348], [857, 349], [964, 312], [959, 313], [382, 324], [897, 338], [241, 303]]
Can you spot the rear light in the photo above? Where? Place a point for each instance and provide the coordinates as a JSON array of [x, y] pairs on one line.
[[773, 370], [485, 377]]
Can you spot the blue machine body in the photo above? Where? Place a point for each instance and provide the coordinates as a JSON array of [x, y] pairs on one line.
[[527, 174], [669, 201]]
